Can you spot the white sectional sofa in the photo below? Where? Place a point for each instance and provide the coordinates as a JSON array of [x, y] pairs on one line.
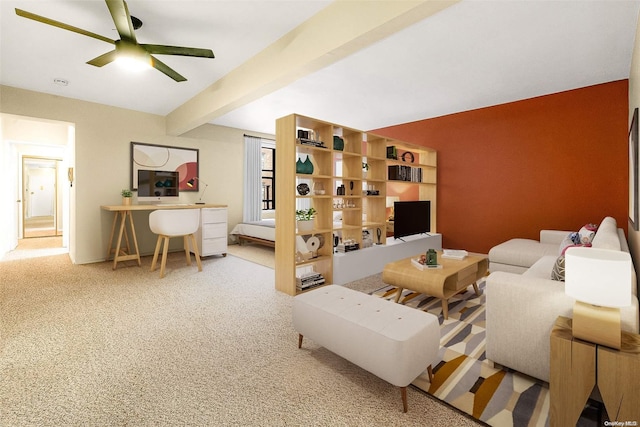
[[522, 308]]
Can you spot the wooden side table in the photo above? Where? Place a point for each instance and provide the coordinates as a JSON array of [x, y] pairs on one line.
[[578, 366]]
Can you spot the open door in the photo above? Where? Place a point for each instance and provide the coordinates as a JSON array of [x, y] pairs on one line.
[[40, 197]]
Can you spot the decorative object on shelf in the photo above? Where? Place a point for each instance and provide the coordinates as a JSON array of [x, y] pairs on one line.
[[367, 239], [338, 143], [304, 218], [365, 169], [313, 244], [408, 155], [340, 191], [192, 182], [305, 167], [600, 281], [379, 235], [318, 188], [303, 189], [351, 187], [392, 153], [308, 166], [348, 245], [126, 196]]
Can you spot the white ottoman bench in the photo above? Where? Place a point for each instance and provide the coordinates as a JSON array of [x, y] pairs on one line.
[[392, 341]]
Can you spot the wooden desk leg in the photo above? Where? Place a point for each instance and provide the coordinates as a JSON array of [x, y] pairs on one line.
[[572, 377], [135, 239], [113, 232], [123, 221]]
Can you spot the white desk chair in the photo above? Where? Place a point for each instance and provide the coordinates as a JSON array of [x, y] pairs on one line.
[[175, 223]]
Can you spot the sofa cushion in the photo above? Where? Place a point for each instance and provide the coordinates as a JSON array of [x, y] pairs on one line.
[[521, 252], [542, 268], [607, 235]]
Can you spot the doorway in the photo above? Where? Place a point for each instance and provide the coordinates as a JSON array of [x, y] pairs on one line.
[[41, 216]]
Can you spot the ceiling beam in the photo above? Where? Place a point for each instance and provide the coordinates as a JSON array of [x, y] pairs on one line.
[[337, 31]]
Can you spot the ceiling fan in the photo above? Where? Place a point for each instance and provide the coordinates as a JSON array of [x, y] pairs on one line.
[[127, 46]]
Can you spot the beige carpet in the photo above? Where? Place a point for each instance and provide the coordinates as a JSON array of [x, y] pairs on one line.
[[35, 248], [83, 345], [259, 254]]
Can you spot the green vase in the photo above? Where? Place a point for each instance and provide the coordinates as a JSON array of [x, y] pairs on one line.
[[338, 143], [299, 166], [308, 166]]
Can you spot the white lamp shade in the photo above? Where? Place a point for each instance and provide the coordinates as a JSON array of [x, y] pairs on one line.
[[598, 276], [391, 200]]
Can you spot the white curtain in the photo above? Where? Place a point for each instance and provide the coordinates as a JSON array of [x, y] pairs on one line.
[[252, 203]]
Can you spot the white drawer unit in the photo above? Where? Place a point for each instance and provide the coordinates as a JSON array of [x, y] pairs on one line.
[[212, 233]]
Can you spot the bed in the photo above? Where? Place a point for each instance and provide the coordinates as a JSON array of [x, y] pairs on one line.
[[262, 232]]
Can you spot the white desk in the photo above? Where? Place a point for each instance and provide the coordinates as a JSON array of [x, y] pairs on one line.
[[123, 212]]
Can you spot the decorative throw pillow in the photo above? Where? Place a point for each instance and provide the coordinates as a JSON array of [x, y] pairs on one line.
[[571, 240], [587, 233], [586, 245], [557, 273]]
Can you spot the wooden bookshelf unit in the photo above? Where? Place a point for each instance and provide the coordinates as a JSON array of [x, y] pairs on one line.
[[359, 212]]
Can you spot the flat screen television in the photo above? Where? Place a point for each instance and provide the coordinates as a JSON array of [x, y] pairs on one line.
[[158, 186], [411, 217]]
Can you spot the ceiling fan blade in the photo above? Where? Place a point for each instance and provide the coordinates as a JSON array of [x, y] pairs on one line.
[[120, 15], [177, 50], [161, 66], [62, 25], [103, 60]]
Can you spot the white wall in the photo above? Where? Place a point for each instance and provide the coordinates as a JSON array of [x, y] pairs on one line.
[[25, 136], [102, 162]]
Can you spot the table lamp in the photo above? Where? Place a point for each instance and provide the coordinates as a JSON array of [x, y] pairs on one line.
[[600, 281], [190, 184], [390, 204]]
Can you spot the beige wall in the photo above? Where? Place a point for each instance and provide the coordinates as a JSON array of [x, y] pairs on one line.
[[102, 162], [634, 102]]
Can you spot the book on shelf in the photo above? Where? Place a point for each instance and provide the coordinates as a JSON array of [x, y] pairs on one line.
[[405, 173], [454, 254], [307, 277], [311, 142]]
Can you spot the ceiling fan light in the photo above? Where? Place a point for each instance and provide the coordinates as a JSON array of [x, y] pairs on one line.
[[134, 63]]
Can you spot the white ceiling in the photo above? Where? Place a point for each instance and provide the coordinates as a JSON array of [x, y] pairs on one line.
[[473, 54]]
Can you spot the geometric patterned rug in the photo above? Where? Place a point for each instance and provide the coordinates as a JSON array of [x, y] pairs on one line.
[[463, 378]]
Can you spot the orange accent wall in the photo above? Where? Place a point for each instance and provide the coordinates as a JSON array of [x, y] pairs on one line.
[[556, 162]]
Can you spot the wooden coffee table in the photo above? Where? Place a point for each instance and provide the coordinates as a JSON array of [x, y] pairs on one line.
[[454, 277]]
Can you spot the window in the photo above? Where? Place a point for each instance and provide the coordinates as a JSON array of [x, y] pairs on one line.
[[268, 177]]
